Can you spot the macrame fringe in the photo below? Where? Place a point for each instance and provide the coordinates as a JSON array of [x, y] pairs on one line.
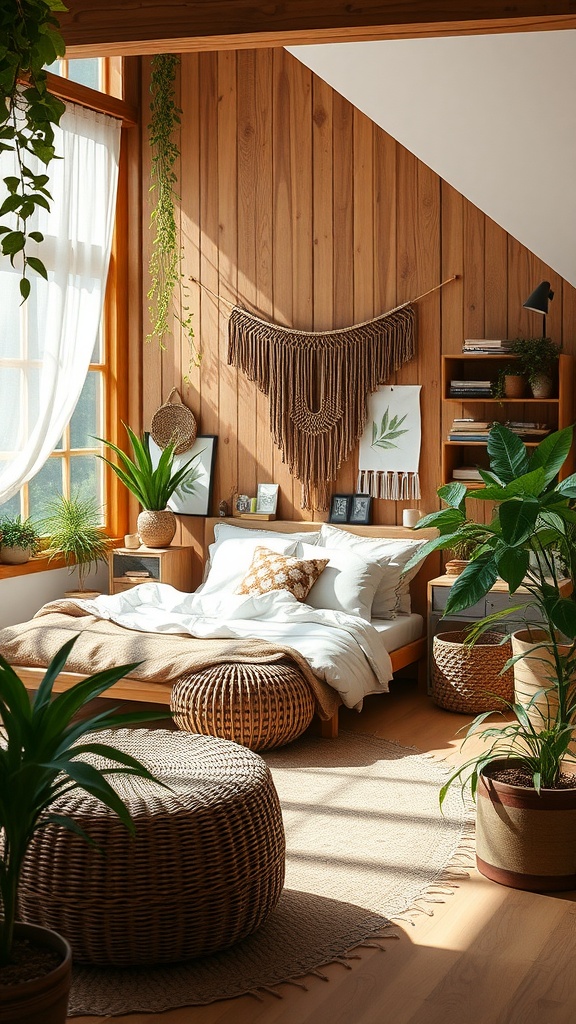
[[318, 386], [392, 486]]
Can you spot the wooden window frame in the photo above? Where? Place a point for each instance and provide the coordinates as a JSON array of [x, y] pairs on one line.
[[115, 315]]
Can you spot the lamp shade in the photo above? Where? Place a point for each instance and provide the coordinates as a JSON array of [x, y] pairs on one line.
[[538, 300]]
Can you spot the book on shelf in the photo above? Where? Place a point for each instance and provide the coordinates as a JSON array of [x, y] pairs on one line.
[[466, 426], [480, 435], [487, 345], [470, 393], [470, 383], [466, 473]]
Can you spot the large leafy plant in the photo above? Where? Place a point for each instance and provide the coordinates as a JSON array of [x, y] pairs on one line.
[[530, 542], [43, 755], [29, 39], [153, 486]]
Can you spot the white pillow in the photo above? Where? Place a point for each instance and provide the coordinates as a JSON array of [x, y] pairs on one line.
[[348, 583], [231, 560], [391, 553], [227, 531]]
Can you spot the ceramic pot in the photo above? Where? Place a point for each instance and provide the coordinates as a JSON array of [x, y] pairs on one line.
[[44, 999], [533, 673], [525, 840], [542, 386], [156, 528], [455, 566], [14, 555], [514, 386]]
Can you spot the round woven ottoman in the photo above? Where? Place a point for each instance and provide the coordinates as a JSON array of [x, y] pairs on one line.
[[259, 706], [467, 678], [205, 867]]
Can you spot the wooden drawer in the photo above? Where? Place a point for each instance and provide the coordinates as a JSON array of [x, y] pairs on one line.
[[440, 597]]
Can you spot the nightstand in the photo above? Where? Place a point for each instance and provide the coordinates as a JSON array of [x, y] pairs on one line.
[[171, 565]]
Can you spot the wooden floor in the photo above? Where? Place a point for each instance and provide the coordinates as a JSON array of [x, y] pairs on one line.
[[489, 955]]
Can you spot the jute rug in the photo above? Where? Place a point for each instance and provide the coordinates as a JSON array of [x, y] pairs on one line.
[[366, 845]]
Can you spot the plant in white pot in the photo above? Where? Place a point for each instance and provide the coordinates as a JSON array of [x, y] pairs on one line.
[[19, 539], [44, 753], [538, 361], [153, 486], [522, 775]]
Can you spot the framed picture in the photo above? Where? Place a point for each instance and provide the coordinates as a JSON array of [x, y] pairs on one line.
[[360, 509], [194, 495], [267, 498], [340, 508]]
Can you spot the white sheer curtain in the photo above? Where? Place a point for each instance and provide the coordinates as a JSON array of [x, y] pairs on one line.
[[46, 343]]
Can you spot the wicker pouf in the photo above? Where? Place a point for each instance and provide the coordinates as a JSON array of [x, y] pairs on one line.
[[468, 679], [259, 706], [205, 867]]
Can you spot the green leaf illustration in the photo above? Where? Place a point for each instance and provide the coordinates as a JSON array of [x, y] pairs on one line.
[[389, 429]]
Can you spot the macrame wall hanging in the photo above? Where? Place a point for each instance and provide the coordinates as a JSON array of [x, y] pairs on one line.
[[318, 385]]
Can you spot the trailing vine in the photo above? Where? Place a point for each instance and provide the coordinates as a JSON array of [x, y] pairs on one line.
[[28, 115], [165, 264]]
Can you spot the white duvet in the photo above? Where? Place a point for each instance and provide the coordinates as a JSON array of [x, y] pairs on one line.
[[345, 651]]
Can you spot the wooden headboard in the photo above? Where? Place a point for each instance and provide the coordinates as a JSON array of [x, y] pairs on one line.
[[418, 587]]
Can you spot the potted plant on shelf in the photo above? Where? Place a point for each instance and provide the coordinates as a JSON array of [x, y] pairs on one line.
[[510, 383], [19, 539], [153, 486], [537, 359], [44, 753], [521, 773], [74, 529]]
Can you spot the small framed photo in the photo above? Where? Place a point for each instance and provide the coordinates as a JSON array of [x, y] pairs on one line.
[[340, 508], [360, 509], [267, 498]]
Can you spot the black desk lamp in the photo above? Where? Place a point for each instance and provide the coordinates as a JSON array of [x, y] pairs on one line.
[[538, 301]]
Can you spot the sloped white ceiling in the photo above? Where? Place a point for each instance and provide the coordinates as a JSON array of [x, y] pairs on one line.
[[494, 115]]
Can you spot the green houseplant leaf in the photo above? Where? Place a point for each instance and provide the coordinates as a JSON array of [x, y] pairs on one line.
[[151, 486], [41, 757]]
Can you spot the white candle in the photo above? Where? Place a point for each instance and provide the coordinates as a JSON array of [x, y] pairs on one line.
[[410, 517]]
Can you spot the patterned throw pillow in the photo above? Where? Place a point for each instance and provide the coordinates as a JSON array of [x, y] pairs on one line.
[[273, 571]]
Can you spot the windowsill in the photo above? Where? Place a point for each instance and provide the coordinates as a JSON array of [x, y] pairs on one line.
[[41, 563]]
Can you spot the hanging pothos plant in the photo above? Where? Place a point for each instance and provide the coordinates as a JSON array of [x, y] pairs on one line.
[[30, 39], [167, 254]]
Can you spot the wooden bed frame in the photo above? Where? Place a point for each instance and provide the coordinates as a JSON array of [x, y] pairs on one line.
[[159, 693]]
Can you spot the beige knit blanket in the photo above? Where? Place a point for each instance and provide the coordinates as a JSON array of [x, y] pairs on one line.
[[165, 658]]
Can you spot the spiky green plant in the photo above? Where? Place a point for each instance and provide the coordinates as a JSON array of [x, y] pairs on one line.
[[152, 486], [42, 757], [74, 529]]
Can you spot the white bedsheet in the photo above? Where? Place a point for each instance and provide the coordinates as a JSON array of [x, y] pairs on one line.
[[344, 650], [400, 631]]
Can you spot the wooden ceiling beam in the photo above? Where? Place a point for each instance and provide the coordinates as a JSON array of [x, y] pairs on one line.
[[129, 27]]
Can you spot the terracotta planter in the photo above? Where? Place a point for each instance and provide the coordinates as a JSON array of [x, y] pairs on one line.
[[514, 386], [455, 566], [156, 529], [14, 555], [542, 386], [46, 998], [525, 840]]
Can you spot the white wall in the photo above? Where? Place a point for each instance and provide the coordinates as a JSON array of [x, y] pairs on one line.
[[495, 116], [22, 596]]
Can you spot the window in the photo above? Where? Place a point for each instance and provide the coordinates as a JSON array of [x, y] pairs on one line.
[[72, 468]]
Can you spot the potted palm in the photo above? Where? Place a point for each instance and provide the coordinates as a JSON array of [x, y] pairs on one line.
[[74, 530], [19, 539], [153, 486], [44, 753], [521, 774]]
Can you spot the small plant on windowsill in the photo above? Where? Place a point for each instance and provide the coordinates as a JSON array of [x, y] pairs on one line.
[[19, 540], [74, 529]]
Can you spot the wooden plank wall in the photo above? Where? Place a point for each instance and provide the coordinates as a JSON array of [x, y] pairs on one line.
[[296, 205]]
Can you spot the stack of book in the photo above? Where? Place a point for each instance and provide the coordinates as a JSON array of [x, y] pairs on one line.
[[469, 430], [466, 473], [528, 431], [470, 389], [488, 345]]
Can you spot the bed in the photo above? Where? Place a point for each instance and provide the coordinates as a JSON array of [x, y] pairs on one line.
[[147, 622]]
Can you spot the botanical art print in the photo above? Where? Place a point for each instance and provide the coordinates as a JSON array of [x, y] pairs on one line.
[[194, 495], [390, 445]]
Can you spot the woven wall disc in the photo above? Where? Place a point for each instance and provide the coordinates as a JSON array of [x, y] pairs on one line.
[[173, 423]]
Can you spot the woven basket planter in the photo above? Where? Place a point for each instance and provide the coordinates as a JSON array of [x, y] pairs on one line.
[[203, 870], [259, 706], [468, 679]]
